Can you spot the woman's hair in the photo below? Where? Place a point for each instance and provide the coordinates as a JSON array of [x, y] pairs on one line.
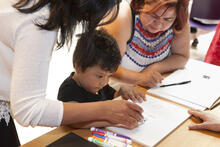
[[103, 51], [151, 6], [65, 14]]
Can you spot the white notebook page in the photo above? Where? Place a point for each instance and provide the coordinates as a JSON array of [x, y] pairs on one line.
[[161, 118]]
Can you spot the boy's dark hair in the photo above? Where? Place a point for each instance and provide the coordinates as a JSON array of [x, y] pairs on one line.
[[103, 51], [65, 14]]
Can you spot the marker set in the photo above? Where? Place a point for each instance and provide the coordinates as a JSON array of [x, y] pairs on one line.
[[109, 139]]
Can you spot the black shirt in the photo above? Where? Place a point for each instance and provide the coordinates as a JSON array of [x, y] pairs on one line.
[[70, 91]]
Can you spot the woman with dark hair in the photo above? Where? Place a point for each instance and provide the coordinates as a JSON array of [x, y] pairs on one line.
[[29, 31], [153, 36]]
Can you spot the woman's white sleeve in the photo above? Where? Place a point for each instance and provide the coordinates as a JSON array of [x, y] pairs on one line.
[[32, 53]]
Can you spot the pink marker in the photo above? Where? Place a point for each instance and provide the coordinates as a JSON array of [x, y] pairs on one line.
[[109, 133]]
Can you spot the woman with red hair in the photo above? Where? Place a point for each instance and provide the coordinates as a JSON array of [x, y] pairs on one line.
[[153, 36]]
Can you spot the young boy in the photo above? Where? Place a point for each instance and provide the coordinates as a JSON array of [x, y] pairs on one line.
[[94, 64]]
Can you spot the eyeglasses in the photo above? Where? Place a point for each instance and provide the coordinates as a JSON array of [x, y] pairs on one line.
[[167, 20]]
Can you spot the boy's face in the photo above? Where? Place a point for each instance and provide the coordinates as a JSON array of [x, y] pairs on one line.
[[93, 78]]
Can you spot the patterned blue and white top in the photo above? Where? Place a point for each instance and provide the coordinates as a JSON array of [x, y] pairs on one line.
[[145, 48]]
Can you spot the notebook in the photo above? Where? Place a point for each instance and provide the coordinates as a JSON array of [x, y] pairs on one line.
[[161, 118], [200, 93], [72, 140]]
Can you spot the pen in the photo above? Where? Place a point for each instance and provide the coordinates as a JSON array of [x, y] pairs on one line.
[[215, 105], [180, 83], [109, 133]]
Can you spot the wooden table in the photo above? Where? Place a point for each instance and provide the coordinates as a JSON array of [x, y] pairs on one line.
[[181, 137]]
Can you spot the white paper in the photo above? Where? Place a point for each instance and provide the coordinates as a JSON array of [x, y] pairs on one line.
[[161, 118], [203, 90]]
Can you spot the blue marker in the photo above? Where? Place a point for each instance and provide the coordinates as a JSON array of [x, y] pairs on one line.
[[100, 136], [109, 133]]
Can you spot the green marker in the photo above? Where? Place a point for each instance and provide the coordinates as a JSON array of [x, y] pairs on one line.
[[100, 143]]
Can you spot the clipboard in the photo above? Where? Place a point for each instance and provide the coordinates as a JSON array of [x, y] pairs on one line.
[[70, 140]]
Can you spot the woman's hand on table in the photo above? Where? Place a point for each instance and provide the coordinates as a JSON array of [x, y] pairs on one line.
[[149, 78], [210, 121]]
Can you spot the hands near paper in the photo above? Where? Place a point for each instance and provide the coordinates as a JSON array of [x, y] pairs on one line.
[[120, 113], [149, 78], [133, 93], [209, 121], [125, 113]]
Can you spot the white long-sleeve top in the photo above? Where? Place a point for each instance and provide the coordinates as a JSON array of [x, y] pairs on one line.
[[25, 53]]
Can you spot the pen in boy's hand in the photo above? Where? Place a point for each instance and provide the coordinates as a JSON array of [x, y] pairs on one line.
[[180, 83]]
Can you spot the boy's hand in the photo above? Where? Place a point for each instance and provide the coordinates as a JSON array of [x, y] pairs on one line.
[[130, 92]]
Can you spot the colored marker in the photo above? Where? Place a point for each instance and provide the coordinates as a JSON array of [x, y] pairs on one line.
[[100, 139], [109, 133], [124, 140], [109, 140], [100, 143], [99, 136]]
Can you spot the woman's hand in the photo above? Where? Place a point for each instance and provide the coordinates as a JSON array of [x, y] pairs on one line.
[[121, 112], [131, 92], [209, 120], [149, 78]]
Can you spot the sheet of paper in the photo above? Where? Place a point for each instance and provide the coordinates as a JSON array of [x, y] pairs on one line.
[[160, 119], [203, 90]]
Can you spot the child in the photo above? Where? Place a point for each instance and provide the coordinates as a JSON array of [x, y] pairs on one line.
[[94, 64]]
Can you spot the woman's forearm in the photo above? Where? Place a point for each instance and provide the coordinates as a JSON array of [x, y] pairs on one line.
[[81, 112], [90, 124], [172, 63], [128, 114], [126, 75]]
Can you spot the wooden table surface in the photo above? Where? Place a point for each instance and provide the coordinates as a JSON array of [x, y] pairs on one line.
[[180, 137]]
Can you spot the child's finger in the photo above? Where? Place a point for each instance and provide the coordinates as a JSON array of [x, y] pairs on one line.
[[132, 97], [125, 96], [142, 94], [138, 97], [144, 98]]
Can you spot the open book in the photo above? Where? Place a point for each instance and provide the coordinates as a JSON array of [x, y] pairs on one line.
[[200, 93], [161, 118]]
